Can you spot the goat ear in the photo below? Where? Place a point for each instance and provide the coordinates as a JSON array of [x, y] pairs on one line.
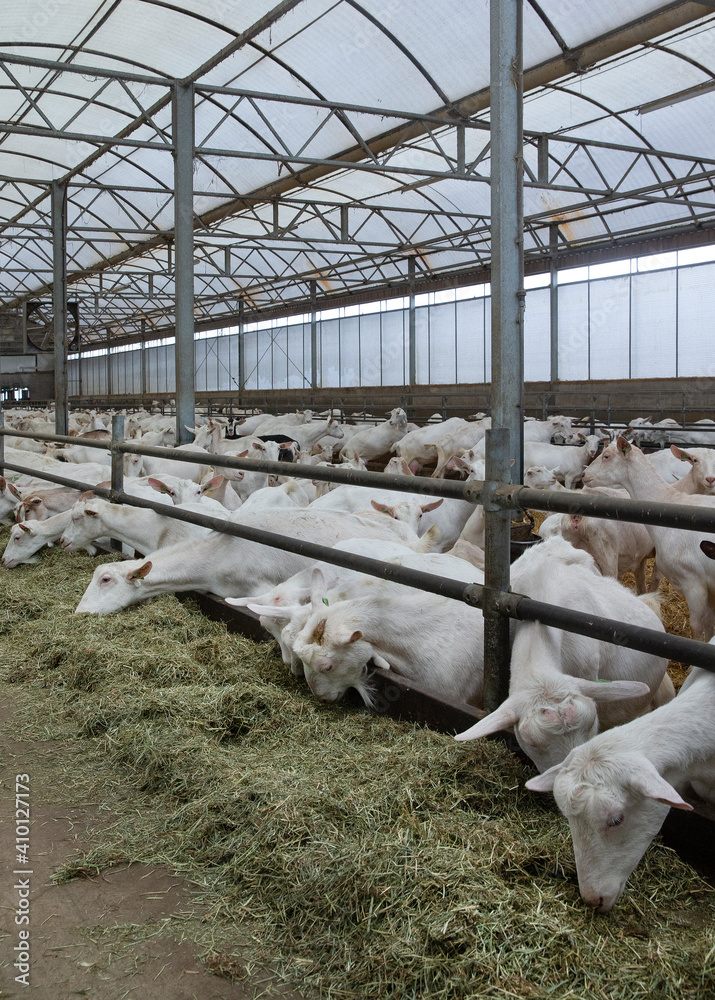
[[25, 527], [140, 573], [87, 495], [684, 456], [323, 579], [212, 484], [505, 717], [623, 445], [653, 786], [15, 492], [427, 507], [603, 691], [270, 610], [381, 507], [544, 782], [708, 548], [156, 484]]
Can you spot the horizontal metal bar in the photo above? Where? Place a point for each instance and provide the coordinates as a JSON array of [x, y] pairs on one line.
[[514, 497], [666, 515], [452, 488], [62, 438], [100, 140], [362, 109], [675, 647], [86, 71], [50, 477]]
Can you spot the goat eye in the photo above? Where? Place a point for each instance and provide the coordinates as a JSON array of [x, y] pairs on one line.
[[105, 579], [615, 820]]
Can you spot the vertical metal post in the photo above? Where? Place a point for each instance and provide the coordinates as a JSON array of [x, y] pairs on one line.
[[504, 444], [143, 362], [554, 303], [59, 301], [109, 362], [80, 382], [117, 482], [117, 474], [507, 171], [241, 350], [411, 336], [313, 335], [2, 444], [496, 573], [183, 138]]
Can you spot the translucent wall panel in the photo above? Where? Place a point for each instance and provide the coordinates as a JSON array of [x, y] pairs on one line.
[[370, 349], [470, 340], [329, 339], [394, 361], [443, 344], [349, 332], [653, 330], [265, 360], [696, 321], [225, 375], [537, 336], [73, 378], [298, 356], [201, 378], [250, 346], [94, 376], [610, 327], [422, 345], [573, 331], [280, 358]]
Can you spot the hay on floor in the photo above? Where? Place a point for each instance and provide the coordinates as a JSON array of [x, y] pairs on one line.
[[356, 856]]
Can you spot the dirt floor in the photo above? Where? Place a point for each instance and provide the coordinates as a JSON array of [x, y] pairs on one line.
[[109, 937]]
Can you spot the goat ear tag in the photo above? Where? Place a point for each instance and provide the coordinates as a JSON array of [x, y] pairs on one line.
[[325, 602], [140, 573]]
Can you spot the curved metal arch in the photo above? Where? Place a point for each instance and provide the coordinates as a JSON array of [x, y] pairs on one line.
[[659, 47], [406, 52]]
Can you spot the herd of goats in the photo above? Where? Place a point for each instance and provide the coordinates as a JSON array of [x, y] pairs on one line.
[[601, 722]]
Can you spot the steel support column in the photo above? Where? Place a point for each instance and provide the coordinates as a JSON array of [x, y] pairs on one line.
[[507, 171], [142, 353], [505, 441], [59, 301], [554, 304], [241, 350], [313, 336], [183, 137], [412, 321], [108, 365]]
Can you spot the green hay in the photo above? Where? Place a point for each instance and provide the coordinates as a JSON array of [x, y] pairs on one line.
[[355, 856]]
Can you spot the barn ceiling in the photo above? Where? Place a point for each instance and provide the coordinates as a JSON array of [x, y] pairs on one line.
[[335, 142]]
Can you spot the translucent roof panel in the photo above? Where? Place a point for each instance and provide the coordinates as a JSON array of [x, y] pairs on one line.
[[368, 156]]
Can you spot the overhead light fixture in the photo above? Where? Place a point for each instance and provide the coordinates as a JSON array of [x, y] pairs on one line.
[[681, 95]]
